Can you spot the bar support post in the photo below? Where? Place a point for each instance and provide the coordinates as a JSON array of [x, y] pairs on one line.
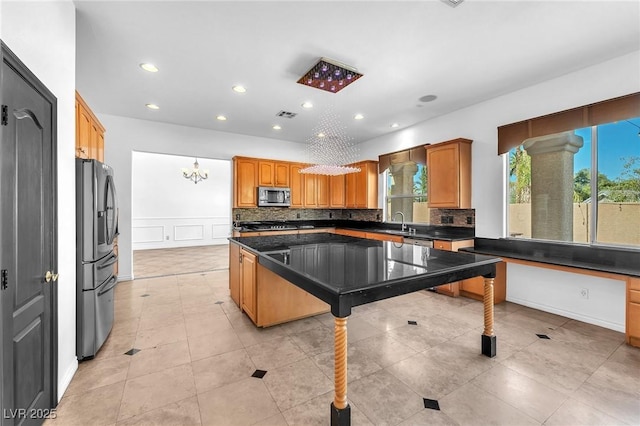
[[488, 336], [340, 409]]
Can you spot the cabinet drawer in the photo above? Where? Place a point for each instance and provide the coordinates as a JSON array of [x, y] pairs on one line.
[[442, 245], [634, 283], [634, 296]]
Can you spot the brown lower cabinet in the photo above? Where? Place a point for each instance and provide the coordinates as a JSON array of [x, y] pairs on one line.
[[265, 297], [633, 311], [474, 287], [452, 289]]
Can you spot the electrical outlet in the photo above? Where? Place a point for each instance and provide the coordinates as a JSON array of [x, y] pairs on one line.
[[297, 215], [469, 220], [446, 219], [330, 215], [350, 215], [167, 238], [237, 216], [584, 292], [378, 216]]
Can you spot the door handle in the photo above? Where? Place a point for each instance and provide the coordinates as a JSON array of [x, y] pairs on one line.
[[50, 276]]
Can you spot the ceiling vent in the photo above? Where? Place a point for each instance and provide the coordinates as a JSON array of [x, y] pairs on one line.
[[286, 114], [453, 3]]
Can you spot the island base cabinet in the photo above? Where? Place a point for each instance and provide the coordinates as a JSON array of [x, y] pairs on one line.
[[234, 273], [280, 301], [248, 282], [473, 288], [265, 297]]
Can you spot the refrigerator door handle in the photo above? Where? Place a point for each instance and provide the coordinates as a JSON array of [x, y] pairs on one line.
[[111, 203], [111, 284], [113, 259]]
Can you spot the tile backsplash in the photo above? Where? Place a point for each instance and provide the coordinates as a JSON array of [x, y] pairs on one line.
[[453, 217], [284, 213]]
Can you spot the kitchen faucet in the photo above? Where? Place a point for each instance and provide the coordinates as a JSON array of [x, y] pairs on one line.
[[401, 215]]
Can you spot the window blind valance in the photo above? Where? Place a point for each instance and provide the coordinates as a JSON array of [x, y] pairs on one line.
[[416, 154], [616, 109]]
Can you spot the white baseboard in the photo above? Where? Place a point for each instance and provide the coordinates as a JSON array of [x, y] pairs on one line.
[[573, 315], [125, 278], [65, 380]]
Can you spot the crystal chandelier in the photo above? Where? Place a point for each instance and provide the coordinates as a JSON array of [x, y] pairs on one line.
[[330, 75], [195, 174], [330, 149]]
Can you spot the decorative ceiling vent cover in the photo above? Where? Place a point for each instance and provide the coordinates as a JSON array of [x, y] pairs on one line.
[[453, 3], [329, 75], [286, 114]]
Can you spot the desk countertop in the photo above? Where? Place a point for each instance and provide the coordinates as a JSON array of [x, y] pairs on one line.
[[346, 271], [604, 259]]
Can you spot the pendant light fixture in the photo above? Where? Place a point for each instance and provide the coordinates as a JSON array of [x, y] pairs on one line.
[[195, 174]]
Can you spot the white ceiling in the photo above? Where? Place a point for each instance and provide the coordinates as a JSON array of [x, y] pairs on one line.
[[405, 49]]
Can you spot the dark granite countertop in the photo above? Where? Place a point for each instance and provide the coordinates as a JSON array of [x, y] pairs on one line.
[[346, 271], [623, 261], [426, 232]]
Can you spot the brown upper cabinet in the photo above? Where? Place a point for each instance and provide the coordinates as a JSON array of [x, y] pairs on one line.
[[316, 191], [89, 132], [296, 182], [245, 182], [273, 173], [337, 192], [355, 190], [449, 174], [362, 187]]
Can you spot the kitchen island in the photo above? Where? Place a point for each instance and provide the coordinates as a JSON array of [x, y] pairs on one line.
[[345, 272]]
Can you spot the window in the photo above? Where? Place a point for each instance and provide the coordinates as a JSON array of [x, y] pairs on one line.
[[406, 192], [581, 186]]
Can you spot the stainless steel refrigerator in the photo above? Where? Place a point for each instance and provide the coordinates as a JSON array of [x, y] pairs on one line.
[[96, 229]]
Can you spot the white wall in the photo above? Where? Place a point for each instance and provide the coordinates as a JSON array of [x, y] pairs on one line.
[[125, 135], [559, 293], [479, 122], [171, 211], [42, 35]]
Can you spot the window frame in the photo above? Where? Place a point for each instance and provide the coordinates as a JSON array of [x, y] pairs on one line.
[[592, 208]]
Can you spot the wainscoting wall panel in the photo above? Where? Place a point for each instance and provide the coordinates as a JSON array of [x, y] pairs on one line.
[[148, 234], [188, 232], [169, 232]]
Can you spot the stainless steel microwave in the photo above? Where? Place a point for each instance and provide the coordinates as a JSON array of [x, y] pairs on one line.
[[274, 197]]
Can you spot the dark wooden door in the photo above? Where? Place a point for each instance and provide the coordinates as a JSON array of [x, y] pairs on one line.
[[28, 249]]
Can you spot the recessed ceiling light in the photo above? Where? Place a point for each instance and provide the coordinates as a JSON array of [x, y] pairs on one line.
[[152, 106], [321, 135], [358, 117], [394, 125], [307, 105], [149, 67], [239, 89], [276, 127], [221, 118]]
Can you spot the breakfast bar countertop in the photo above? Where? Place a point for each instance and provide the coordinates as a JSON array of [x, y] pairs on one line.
[[346, 271], [425, 232]]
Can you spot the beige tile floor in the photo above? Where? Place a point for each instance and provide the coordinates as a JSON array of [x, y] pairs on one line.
[[197, 353], [177, 261]]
